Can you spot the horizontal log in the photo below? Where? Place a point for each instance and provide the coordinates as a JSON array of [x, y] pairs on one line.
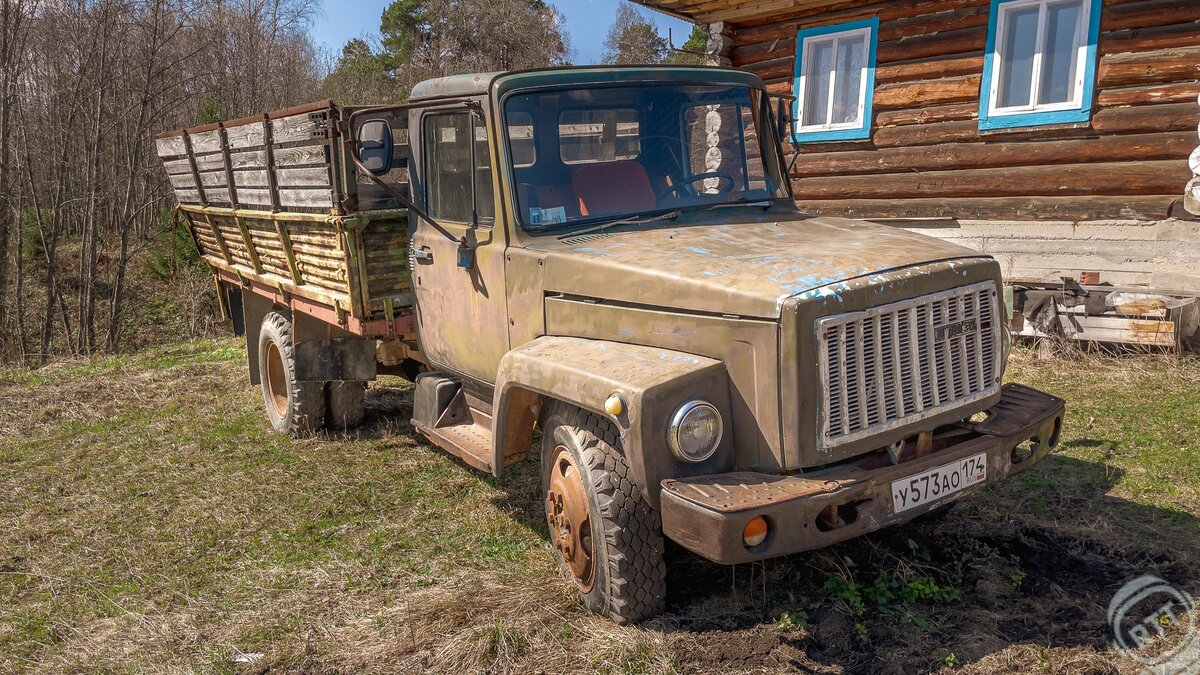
[[1163, 65], [930, 69], [1121, 120], [774, 69], [926, 134], [1156, 93], [850, 10], [1110, 178], [928, 92], [1071, 209], [1149, 13], [1164, 117], [940, 44], [1147, 39], [941, 113], [1173, 145]]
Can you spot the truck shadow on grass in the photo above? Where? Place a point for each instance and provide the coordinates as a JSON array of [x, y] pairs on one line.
[[1031, 564], [1017, 576]]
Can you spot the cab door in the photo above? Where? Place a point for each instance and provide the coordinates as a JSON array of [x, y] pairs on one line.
[[458, 274]]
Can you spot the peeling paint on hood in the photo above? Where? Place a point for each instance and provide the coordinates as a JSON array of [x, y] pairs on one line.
[[735, 266]]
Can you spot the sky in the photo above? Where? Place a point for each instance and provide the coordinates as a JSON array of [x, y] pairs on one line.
[[587, 24]]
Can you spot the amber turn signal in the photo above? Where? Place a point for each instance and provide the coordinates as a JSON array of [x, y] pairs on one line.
[[755, 532], [613, 405]]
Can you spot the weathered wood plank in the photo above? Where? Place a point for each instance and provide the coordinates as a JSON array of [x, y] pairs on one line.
[[244, 136], [1112, 178], [170, 147], [206, 142], [315, 177], [304, 127]]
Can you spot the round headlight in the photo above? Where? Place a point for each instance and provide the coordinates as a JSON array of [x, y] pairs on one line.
[[695, 431]]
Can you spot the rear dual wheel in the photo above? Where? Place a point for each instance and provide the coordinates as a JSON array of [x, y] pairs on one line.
[[294, 407]]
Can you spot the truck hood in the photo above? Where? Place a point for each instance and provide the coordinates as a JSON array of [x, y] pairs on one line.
[[746, 267]]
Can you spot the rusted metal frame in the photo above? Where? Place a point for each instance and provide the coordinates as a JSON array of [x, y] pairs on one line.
[[233, 200], [333, 144], [405, 324], [286, 112]]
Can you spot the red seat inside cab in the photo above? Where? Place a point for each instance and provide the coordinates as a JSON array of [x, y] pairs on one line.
[[613, 187]]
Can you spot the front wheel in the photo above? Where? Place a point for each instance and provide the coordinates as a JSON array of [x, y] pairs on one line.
[[606, 537]]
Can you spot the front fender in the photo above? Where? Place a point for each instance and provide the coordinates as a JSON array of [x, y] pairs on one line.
[[653, 383]]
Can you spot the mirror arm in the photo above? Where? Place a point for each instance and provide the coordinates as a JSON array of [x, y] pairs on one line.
[[402, 198]]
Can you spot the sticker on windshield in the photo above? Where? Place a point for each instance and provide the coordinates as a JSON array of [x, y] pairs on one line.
[[552, 216]]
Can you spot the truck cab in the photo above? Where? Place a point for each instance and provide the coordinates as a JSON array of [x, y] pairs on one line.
[[609, 277]]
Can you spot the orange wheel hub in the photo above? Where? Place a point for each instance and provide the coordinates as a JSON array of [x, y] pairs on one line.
[[570, 519], [276, 379]]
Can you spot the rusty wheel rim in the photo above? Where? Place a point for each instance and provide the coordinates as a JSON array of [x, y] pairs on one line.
[[276, 380], [570, 519]]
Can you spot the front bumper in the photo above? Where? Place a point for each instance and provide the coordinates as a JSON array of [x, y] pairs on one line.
[[706, 514]]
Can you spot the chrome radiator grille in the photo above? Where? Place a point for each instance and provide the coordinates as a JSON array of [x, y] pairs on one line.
[[888, 366]]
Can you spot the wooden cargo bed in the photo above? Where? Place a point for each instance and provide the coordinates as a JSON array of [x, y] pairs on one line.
[[272, 208]]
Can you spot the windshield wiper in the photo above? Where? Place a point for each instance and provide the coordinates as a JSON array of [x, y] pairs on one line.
[[669, 215]]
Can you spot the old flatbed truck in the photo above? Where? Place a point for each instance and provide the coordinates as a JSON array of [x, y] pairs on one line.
[[612, 256]]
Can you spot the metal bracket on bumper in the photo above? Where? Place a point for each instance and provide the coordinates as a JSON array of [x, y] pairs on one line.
[[707, 514]]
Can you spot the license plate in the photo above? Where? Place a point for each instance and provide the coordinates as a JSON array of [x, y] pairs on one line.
[[909, 493]]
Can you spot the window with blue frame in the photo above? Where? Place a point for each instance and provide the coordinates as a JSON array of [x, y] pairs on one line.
[[835, 80], [1040, 63]]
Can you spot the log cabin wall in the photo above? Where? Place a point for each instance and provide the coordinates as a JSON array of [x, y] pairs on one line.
[[1046, 201]]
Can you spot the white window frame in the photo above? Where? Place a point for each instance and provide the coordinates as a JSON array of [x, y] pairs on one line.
[[806, 56], [1036, 81], [806, 38]]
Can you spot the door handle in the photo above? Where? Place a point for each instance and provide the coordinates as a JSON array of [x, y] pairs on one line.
[[423, 255]]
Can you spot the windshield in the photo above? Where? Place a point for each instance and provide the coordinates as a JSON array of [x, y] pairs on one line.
[[590, 155]]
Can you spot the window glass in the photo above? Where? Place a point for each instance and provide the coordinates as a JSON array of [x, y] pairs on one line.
[[449, 140], [1037, 53], [835, 81], [485, 206], [589, 136], [819, 78], [851, 64], [721, 138], [1016, 64], [628, 151], [520, 139], [1060, 56]]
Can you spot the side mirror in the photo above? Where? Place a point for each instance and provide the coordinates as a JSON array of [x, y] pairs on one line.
[[375, 146]]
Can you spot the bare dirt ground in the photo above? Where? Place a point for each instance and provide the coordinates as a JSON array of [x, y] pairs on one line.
[[153, 522]]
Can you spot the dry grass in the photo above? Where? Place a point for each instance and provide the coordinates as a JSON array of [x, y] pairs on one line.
[[154, 523]]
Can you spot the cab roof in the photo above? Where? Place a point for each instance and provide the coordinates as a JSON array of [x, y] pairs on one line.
[[479, 84]]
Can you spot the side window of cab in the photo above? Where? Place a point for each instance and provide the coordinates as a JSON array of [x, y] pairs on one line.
[[458, 170]]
